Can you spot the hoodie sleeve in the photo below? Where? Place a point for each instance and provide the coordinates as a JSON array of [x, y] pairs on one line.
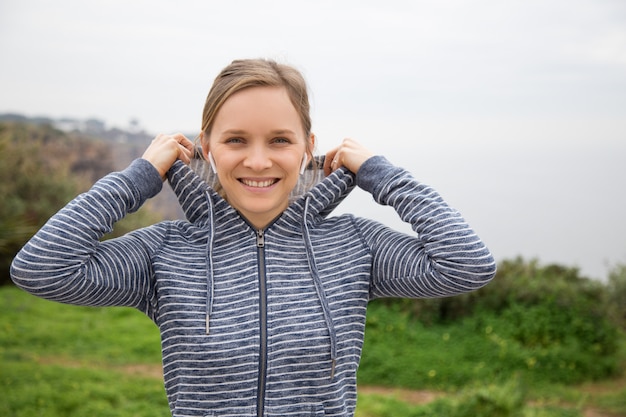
[[65, 260], [444, 258]]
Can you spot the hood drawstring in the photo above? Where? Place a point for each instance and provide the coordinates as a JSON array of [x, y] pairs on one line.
[[187, 181], [209, 262], [191, 189], [320, 289]]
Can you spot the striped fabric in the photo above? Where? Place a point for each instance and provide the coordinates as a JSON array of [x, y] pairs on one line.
[[255, 323]]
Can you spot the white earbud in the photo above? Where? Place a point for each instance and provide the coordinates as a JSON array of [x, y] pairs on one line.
[[212, 162], [305, 162]]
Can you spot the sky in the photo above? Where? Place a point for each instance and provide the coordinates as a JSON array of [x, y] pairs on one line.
[[515, 111]]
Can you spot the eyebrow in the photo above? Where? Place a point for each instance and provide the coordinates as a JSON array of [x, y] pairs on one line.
[[273, 132]]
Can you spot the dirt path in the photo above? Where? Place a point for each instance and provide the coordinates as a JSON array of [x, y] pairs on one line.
[[415, 397], [600, 388]]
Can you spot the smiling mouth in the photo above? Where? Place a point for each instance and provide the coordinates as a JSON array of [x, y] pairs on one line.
[[259, 184]]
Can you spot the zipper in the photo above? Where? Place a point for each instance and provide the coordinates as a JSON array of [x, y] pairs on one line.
[[260, 243], [260, 238]]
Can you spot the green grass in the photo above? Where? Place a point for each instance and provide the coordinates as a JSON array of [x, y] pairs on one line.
[[65, 361], [111, 335], [30, 389], [58, 360]]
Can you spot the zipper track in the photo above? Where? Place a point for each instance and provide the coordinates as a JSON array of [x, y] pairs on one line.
[[260, 243]]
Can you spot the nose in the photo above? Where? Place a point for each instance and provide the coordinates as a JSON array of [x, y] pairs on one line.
[[257, 159]]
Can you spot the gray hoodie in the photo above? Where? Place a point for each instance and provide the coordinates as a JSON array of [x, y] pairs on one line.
[[255, 322]]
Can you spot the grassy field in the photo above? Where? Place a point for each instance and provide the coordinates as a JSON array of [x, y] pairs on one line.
[[68, 361]]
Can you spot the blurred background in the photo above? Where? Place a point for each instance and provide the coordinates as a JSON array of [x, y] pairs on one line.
[[513, 110]]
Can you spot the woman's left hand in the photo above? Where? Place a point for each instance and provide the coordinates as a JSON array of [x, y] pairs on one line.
[[350, 154]]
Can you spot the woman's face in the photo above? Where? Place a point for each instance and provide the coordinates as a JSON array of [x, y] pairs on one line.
[[258, 144]]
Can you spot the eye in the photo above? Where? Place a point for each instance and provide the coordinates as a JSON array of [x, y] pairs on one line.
[[234, 140], [281, 140]]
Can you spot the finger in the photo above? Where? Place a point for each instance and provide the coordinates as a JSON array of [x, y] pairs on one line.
[[184, 154], [329, 160], [178, 138], [184, 141], [336, 162], [184, 147]]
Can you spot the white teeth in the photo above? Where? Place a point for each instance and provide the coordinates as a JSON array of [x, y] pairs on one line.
[[258, 184]]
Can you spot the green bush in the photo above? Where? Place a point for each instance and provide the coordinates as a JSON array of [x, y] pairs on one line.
[[520, 282], [616, 295], [540, 343], [492, 400], [541, 351], [42, 169], [549, 322]]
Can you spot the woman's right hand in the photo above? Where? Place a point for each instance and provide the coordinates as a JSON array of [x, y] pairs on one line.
[[166, 149]]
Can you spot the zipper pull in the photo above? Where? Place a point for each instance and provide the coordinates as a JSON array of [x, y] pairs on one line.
[[260, 239]]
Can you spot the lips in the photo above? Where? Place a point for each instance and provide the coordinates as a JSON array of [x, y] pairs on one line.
[[259, 183]]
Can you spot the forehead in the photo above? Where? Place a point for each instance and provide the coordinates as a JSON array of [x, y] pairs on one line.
[[258, 108]]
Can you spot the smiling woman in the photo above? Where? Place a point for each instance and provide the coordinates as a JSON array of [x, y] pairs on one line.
[[259, 295], [258, 145]]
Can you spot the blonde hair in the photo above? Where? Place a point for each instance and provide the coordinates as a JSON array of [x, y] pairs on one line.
[[246, 73]]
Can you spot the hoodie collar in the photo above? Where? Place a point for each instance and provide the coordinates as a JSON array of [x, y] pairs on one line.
[[194, 183]]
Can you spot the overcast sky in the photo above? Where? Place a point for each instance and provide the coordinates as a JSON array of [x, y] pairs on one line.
[[514, 110]]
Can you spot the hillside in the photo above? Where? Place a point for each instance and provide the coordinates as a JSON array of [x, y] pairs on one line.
[[43, 167], [95, 150]]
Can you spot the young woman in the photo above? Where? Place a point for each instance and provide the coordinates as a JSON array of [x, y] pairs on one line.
[[259, 295]]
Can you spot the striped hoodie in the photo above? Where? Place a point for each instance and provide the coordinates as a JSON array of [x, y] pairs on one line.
[[255, 322]]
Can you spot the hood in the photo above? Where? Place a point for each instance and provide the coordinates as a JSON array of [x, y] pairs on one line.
[[313, 199]]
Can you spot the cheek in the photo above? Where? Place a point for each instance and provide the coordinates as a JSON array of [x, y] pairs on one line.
[[294, 162]]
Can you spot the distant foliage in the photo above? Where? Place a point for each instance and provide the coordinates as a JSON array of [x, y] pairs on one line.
[[35, 181], [41, 169], [518, 281], [545, 321], [616, 295]]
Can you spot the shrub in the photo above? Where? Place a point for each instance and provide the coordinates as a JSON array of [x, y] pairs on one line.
[[567, 322], [616, 295], [519, 282], [42, 169]]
